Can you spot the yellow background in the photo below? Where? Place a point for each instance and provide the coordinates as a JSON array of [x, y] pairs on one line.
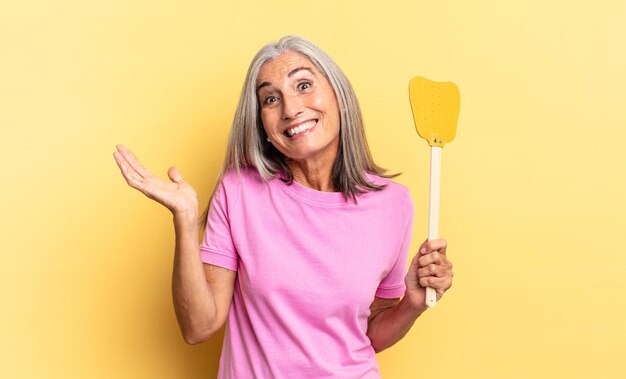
[[532, 187]]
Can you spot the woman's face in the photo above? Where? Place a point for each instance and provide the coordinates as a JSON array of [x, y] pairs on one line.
[[299, 109]]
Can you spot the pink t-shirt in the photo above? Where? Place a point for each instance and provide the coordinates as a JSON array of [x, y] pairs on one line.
[[308, 264]]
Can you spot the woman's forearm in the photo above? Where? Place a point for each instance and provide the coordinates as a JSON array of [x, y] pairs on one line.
[[392, 324], [194, 303]]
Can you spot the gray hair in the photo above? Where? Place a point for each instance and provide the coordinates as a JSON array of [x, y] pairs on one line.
[[247, 146]]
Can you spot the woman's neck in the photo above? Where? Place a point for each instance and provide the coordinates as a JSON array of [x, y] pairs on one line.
[[316, 175]]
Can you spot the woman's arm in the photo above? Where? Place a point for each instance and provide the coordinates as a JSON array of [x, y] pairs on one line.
[[391, 319], [201, 298], [202, 293]]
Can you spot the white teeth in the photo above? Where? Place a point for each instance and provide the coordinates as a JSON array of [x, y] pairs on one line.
[[301, 128]]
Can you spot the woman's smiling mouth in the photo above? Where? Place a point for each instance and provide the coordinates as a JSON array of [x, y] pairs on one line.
[[297, 130]]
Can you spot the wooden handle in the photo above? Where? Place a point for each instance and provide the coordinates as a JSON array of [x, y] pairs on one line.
[[433, 210]]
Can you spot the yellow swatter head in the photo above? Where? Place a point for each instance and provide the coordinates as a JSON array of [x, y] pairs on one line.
[[436, 107]]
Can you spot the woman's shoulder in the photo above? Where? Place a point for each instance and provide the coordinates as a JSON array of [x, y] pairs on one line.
[[393, 191], [247, 176], [390, 184]]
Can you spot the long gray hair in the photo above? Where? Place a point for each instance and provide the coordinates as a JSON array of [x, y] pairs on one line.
[[247, 145]]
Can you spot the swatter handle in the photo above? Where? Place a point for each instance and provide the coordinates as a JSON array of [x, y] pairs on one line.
[[433, 210]]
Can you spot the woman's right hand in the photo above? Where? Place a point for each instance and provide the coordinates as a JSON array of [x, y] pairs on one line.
[[179, 197]]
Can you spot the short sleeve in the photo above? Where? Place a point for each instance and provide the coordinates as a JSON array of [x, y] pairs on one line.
[[393, 286], [218, 247]]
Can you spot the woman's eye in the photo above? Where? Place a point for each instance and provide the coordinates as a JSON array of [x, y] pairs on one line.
[[270, 99], [304, 85]]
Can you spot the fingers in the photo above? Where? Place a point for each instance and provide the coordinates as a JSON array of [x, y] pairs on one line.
[[132, 177], [132, 161], [433, 267], [434, 245], [438, 276], [433, 258], [443, 283], [175, 175], [435, 270]]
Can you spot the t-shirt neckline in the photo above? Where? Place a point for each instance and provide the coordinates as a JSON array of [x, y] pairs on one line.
[[305, 193]]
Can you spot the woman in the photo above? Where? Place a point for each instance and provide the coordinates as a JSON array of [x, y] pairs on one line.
[[306, 239]]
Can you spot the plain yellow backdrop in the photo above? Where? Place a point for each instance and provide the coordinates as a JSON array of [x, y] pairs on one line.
[[532, 187]]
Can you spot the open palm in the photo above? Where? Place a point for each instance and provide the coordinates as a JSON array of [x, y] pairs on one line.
[[178, 196]]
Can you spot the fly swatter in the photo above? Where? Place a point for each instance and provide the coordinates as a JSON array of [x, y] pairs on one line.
[[435, 108]]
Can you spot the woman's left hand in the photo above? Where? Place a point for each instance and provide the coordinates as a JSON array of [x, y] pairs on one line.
[[429, 268]]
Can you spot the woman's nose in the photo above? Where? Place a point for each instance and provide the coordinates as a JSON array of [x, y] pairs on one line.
[[292, 106]]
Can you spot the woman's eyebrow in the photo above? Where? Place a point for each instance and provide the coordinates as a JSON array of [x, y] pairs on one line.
[[265, 84], [300, 69]]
